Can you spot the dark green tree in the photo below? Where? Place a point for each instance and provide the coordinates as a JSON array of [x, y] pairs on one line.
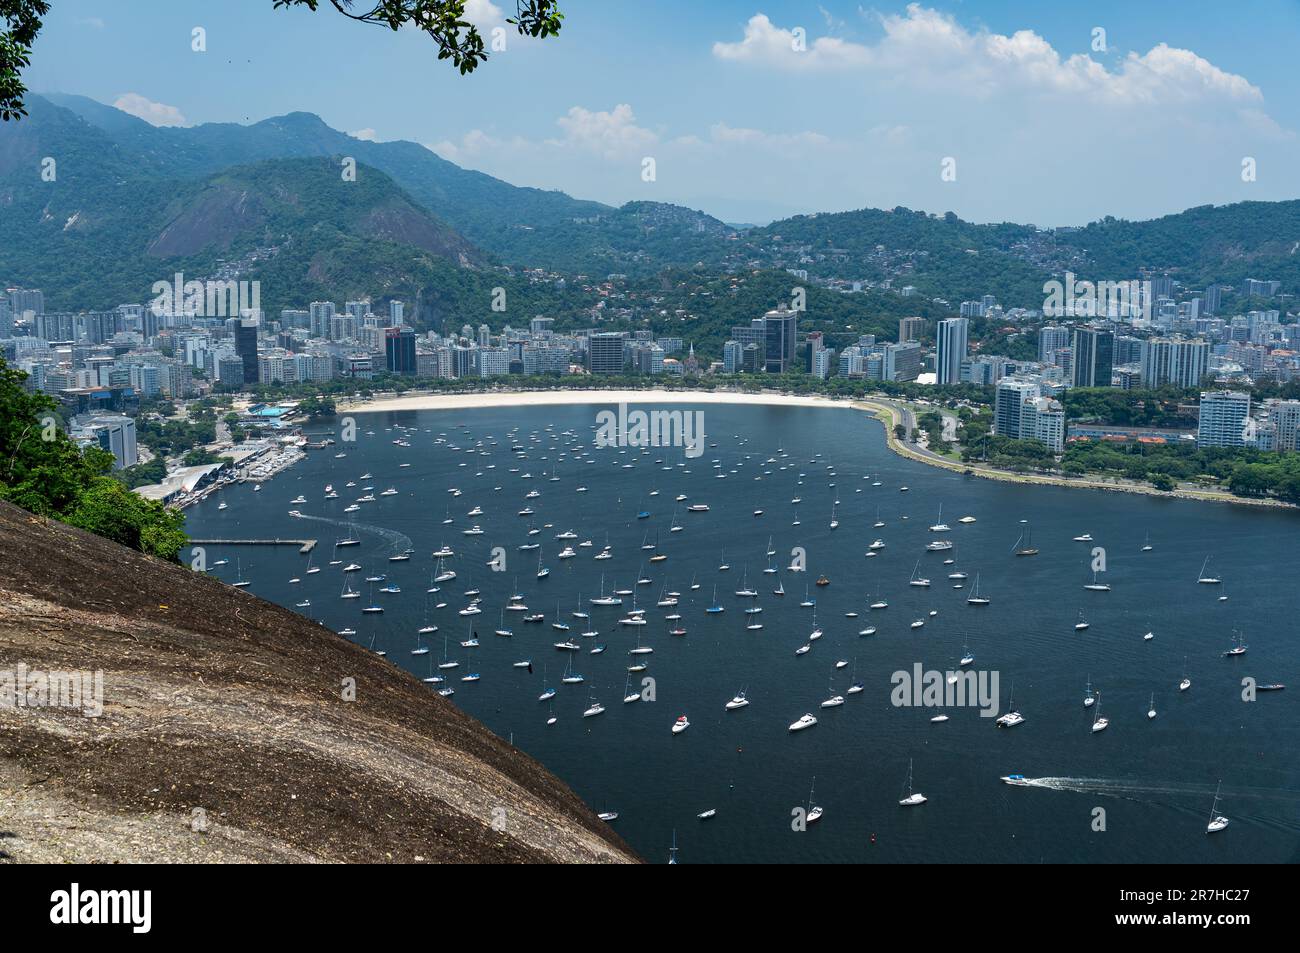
[[44, 471], [443, 21]]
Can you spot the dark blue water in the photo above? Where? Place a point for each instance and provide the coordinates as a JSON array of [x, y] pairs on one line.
[[1154, 779]]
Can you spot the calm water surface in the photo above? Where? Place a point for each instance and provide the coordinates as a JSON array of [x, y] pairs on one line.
[[1154, 779]]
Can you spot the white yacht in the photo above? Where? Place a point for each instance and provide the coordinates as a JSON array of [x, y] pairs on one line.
[[804, 721]]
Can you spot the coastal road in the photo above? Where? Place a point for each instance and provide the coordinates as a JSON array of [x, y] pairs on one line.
[[893, 412]]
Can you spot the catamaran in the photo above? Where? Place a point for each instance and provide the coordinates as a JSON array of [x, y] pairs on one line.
[[1012, 716]]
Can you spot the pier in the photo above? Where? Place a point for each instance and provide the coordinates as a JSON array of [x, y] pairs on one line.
[[304, 545]]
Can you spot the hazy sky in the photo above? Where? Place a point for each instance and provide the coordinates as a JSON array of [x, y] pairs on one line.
[[1047, 120]]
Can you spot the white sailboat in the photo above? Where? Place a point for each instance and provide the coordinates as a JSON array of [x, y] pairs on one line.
[[1204, 578], [812, 813], [1012, 716], [1096, 586], [912, 798], [917, 579], [1217, 821], [1099, 723]]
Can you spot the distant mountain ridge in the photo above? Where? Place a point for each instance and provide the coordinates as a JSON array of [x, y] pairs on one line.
[[116, 215], [112, 161]]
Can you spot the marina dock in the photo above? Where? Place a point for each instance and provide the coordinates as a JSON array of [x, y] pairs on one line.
[[304, 545]]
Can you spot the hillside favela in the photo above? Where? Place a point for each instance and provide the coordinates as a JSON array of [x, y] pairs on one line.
[[590, 433]]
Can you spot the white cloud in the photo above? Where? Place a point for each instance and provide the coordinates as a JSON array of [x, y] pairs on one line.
[[768, 44], [613, 137], [927, 48], [724, 134], [95, 23], [608, 134], [365, 135], [484, 14], [157, 114]]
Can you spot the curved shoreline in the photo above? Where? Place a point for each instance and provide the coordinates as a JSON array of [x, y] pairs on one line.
[[544, 398], [887, 413]]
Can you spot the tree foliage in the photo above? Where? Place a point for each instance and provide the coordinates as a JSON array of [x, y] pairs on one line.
[[20, 21], [44, 471], [443, 21]]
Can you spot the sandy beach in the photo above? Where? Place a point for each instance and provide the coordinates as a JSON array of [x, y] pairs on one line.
[[605, 397], [883, 410]]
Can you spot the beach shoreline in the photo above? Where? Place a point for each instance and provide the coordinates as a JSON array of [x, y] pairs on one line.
[[570, 397], [880, 409]]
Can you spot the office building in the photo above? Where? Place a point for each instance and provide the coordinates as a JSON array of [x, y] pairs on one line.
[[1176, 361], [246, 346], [911, 329], [1223, 417], [605, 352], [399, 351], [1092, 357], [950, 338]]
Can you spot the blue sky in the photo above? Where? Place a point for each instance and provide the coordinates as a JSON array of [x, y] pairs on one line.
[[1042, 126]]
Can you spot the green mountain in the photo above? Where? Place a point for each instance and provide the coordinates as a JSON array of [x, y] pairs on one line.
[[480, 206], [1227, 243], [522, 226], [106, 227], [130, 196]]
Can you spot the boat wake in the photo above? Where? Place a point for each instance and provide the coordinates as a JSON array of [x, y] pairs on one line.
[[1159, 792], [400, 541]]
